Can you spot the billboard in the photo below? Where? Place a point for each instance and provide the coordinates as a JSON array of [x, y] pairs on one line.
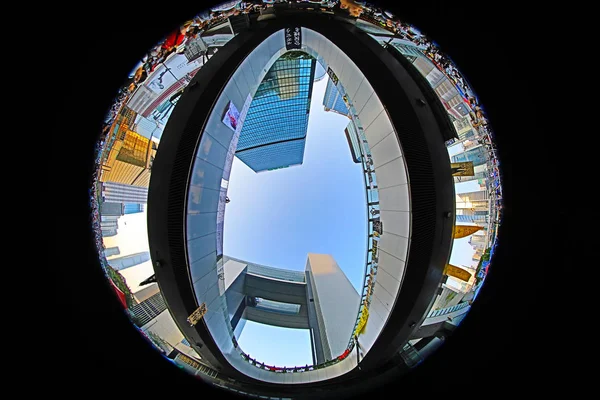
[[463, 168], [457, 272], [461, 231], [293, 38], [231, 116], [332, 75]]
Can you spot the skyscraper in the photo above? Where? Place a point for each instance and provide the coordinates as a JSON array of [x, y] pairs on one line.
[[353, 142], [122, 193], [274, 130], [333, 100], [336, 302], [474, 218], [321, 299]]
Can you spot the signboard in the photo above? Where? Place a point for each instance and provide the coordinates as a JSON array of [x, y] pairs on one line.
[[332, 75], [374, 250], [362, 322], [293, 38], [371, 283], [378, 226], [463, 168], [197, 315], [450, 142], [457, 272], [231, 116], [185, 359], [461, 231]]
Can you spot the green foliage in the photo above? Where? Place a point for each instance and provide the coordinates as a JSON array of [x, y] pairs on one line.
[[486, 255], [296, 55], [120, 282]]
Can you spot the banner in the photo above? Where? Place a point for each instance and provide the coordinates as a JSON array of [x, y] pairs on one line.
[[374, 250], [463, 168], [332, 75], [457, 272], [293, 38], [231, 116], [370, 283], [197, 315], [378, 226], [362, 322], [461, 231]]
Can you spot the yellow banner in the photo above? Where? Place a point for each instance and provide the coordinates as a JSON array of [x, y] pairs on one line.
[[457, 272], [460, 231], [197, 314], [463, 168], [362, 322]]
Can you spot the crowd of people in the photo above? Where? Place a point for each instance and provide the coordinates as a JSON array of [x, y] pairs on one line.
[[304, 368]]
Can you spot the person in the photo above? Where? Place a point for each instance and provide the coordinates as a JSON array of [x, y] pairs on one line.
[[175, 38]]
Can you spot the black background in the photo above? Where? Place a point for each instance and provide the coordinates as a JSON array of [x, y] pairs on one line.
[[505, 346]]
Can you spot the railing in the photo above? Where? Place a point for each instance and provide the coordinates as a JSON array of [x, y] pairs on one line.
[[286, 369], [373, 210], [447, 310]]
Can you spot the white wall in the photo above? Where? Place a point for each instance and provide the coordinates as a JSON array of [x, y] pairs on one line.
[[337, 300], [232, 269], [394, 199], [164, 327], [392, 179]]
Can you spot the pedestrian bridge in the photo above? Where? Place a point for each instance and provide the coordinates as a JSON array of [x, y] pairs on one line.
[[404, 126]]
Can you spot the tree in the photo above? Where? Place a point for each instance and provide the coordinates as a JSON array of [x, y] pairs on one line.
[[120, 282], [296, 55]]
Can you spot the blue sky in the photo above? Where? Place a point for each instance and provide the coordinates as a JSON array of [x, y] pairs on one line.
[[276, 217]]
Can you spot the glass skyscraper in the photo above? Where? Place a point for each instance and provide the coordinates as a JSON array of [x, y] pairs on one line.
[[274, 131], [333, 100], [471, 218]]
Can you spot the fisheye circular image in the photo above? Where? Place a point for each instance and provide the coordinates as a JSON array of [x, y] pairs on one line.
[[292, 198]]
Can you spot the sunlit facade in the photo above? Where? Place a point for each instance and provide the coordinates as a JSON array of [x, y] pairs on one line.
[[333, 100], [478, 155]]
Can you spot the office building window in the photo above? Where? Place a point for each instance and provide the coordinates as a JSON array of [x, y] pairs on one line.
[[134, 150], [132, 208]]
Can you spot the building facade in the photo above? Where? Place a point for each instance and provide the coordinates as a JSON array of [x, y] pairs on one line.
[[320, 299], [333, 100], [113, 192], [480, 175], [477, 155], [353, 143], [274, 129]]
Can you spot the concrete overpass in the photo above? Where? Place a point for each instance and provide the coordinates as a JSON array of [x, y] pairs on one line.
[[320, 299]]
